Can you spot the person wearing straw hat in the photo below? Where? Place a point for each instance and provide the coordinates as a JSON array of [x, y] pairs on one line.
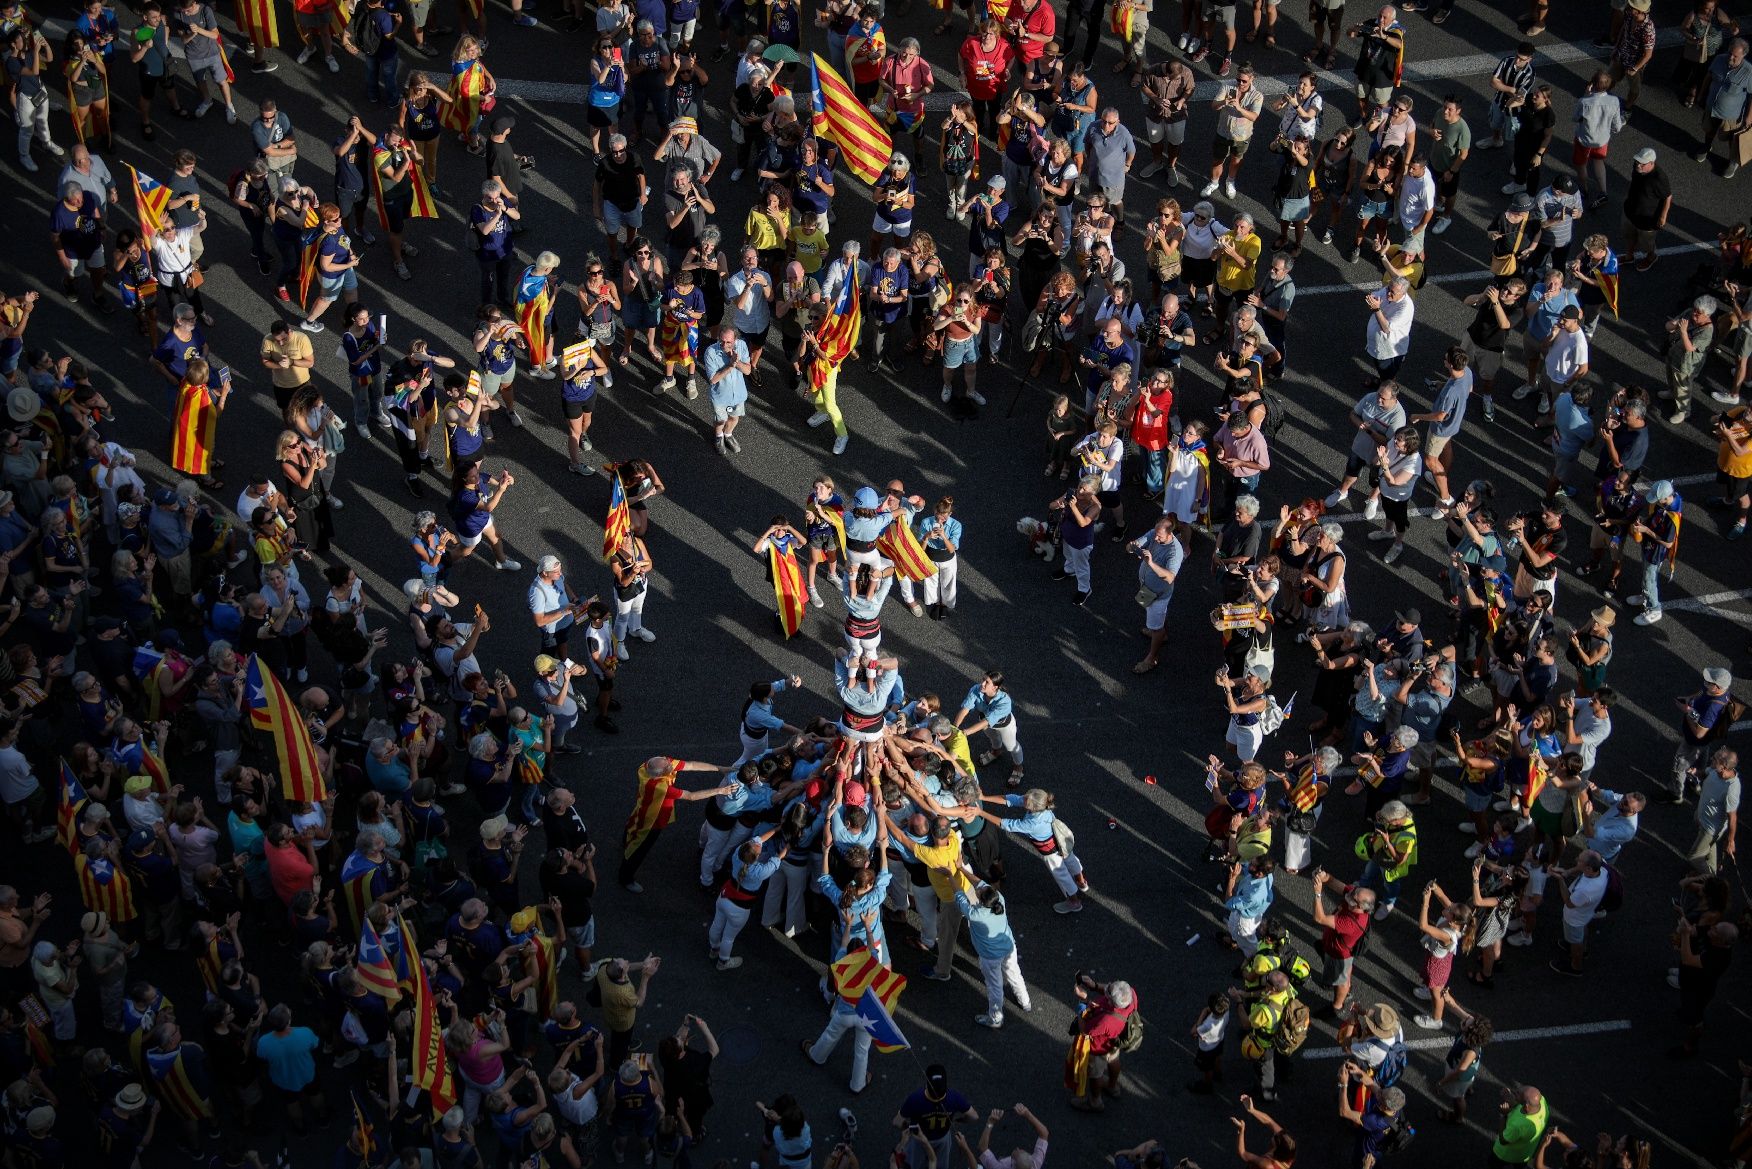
[[126, 1126]]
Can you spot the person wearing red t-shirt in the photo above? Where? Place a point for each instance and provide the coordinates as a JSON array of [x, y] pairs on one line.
[[1341, 930], [906, 79], [985, 60], [1149, 429], [1030, 26], [1102, 1024]]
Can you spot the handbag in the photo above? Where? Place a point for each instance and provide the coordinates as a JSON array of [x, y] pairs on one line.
[[1261, 654], [1032, 329], [1145, 597], [1740, 146], [1505, 265]]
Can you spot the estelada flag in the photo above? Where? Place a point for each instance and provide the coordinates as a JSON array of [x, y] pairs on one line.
[[195, 432], [1607, 276], [468, 88], [171, 1082], [359, 886], [788, 588], [382, 159], [309, 247], [837, 332], [1310, 787], [152, 766], [363, 1130], [535, 304], [104, 888], [431, 1062], [898, 543], [1537, 775], [376, 972], [151, 203], [256, 21], [620, 516], [403, 948], [271, 709], [860, 971], [68, 810], [844, 119]]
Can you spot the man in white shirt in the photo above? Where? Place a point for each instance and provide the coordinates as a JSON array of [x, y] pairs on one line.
[[1587, 724], [1566, 358], [1388, 337], [91, 173], [19, 788], [1582, 889], [1417, 205]]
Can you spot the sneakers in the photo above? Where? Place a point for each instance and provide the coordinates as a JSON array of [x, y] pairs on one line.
[[1523, 391], [1384, 912], [1336, 498], [818, 418], [730, 441], [1442, 223], [231, 115], [1209, 189], [334, 66], [840, 443], [992, 1021], [945, 395], [1678, 417], [1151, 169], [815, 598], [736, 175], [644, 634], [201, 110], [1428, 1022], [1474, 851], [1732, 170], [335, 502], [401, 270], [1394, 553], [1562, 966], [1381, 534], [263, 67], [977, 398], [1228, 188], [411, 251], [1520, 939], [1422, 993], [311, 326], [525, 20], [1490, 410], [307, 54], [1070, 904], [27, 162], [1648, 617], [508, 565], [1514, 188], [723, 963], [932, 974], [1636, 599], [1326, 236], [516, 420], [1372, 507]]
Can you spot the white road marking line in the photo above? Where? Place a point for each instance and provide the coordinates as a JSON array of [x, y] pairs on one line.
[[1439, 1044], [1466, 277], [1711, 603], [1351, 517]]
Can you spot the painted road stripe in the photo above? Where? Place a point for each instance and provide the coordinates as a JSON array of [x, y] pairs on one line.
[[1351, 517], [1440, 69], [1467, 277], [1522, 1035]]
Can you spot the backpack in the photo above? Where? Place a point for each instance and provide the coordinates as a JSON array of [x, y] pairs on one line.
[[1392, 1065], [1274, 413], [1272, 717], [1292, 1029], [1397, 1138], [363, 30], [1132, 1037]]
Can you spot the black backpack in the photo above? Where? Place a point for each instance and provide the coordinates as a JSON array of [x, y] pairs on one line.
[[367, 37], [1398, 1138], [1274, 414]]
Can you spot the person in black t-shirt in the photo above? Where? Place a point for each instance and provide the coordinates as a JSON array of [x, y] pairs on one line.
[[503, 162], [1487, 337], [621, 194]]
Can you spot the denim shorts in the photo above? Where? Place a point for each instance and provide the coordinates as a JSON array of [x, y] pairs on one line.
[[963, 352], [333, 286]]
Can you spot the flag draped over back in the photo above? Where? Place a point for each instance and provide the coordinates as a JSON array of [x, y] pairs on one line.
[[309, 247], [545, 952], [151, 203], [105, 888], [376, 972], [1121, 19], [535, 304], [363, 1130], [431, 1063], [382, 157], [1607, 275], [196, 429], [271, 709], [846, 121], [620, 516], [170, 1080], [69, 809], [468, 87], [648, 814], [788, 588], [404, 949], [898, 543], [255, 19]]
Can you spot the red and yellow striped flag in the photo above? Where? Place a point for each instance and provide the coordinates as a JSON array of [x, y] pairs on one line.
[[860, 971], [535, 303], [431, 1063], [898, 543], [151, 203], [196, 430], [105, 888], [256, 21], [788, 588], [468, 87], [383, 158], [373, 967], [648, 814], [545, 956], [620, 516], [1120, 19], [846, 121], [68, 809], [272, 709]]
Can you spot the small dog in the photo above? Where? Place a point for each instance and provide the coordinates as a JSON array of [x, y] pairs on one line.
[[1040, 536]]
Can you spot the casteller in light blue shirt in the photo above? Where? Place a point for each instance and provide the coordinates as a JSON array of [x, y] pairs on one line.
[[989, 928]]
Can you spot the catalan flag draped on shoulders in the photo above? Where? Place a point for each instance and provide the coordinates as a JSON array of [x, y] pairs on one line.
[[138, 1020], [654, 806], [407, 194], [195, 433], [103, 886], [535, 313], [842, 118], [151, 203], [363, 881], [179, 1078], [836, 333], [789, 588], [678, 335], [541, 960], [256, 21], [309, 248], [271, 709], [468, 89], [1605, 273]]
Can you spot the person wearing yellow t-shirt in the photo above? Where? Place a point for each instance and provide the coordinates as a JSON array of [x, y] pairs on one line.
[[1237, 256], [953, 740], [1734, 460], [941, 856], [808, 243]]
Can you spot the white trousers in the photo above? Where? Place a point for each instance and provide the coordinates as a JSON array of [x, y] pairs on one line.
[[925, 901], [1244, 930], [1298, 850], [1005, 737], [1065, 869], [750, 747], [940, 589], [629, 615], [719, 844], [865, 645], [838, 1023], [998, 973], [1077, 564], [784, 898], [726, 924]]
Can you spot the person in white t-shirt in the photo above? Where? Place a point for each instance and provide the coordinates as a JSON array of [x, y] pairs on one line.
[[1209, 1029], [1582, 889], [1401, 463]]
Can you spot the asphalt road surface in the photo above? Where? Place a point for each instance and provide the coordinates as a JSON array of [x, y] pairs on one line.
[[1092, 730]]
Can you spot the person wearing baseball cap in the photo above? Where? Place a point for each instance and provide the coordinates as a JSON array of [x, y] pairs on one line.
[[1699, 714], [1646, 205], [986, 213]]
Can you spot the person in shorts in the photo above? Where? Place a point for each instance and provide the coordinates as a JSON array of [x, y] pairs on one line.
[[1238, 108], [1167, 87], [621, 194], [1326, 20], [1219, 20]]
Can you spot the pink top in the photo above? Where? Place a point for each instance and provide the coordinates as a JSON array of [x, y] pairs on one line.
[[480, 1067]]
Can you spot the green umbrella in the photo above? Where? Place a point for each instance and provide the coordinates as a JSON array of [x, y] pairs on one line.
[[784, 53]]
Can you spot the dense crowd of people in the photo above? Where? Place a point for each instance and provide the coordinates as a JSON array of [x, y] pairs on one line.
[[155, 624]]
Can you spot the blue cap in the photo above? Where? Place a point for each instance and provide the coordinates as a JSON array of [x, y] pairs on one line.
[[138, 839], [866, 498]]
